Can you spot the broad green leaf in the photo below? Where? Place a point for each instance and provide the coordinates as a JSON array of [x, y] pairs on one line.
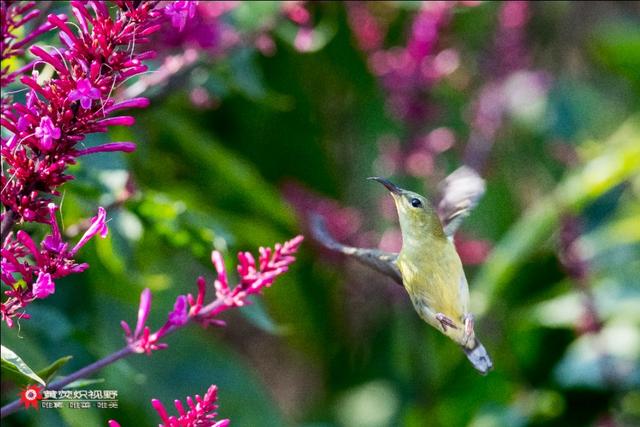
[[617, 161], [13, 364]]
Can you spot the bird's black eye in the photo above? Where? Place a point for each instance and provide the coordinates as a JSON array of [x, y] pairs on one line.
[[416, 203]]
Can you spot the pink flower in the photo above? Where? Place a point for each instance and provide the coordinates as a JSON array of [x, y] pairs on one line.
[[254, 276], [141, 340], [125, 147], [29, 269], [207, 31], [98, 226], [304, 39], [61, 111], [201, 413], [179, 11], [46, 133], [14, 17], [180, 314], [44, 286], [85, 93]]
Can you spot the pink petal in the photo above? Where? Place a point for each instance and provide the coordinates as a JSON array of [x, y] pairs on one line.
[[44, 286]]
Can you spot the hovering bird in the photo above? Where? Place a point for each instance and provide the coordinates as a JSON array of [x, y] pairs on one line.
[[428, 265]]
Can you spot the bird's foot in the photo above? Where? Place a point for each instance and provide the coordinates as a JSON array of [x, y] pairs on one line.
[[445, 321]]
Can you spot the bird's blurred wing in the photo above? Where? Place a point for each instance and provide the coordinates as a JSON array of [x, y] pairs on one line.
[[461, 191], [383, 262]]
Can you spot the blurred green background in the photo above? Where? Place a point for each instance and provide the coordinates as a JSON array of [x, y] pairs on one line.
[[289, 128]]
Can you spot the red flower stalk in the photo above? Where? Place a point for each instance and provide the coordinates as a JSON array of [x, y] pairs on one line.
[[254, 276], [407, 72], [40, 135], [207, 32], [50, 260], [179, 11], [201, 413], [14, 16]]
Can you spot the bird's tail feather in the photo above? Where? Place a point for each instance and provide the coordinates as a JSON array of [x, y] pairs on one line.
[[479, 357]]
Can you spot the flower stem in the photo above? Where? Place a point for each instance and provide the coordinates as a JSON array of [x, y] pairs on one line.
[[105, 361], [271, 264]]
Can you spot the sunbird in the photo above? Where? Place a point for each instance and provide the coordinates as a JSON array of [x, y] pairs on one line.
[[432, 273], [428, 265]]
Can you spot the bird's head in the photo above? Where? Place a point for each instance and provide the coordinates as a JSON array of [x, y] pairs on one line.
[[417, 216]]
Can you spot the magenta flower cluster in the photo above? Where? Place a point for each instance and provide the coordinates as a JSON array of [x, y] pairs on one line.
[[254, 276], [15, 16], [95, 58], [69, 92], [200, 412], [52, 259], [43, 134], [207, 31], [180, 11], [406, 72]]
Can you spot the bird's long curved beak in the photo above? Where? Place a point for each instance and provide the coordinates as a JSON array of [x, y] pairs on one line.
[[390, 185]]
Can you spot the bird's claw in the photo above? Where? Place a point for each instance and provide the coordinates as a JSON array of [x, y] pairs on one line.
[[468, 327], [468, 324], [445, 321]]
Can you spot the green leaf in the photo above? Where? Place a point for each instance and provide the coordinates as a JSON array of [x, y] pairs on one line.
[[48, 372], [229, 176], [13, 365], [617, 46], [617, 161]]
